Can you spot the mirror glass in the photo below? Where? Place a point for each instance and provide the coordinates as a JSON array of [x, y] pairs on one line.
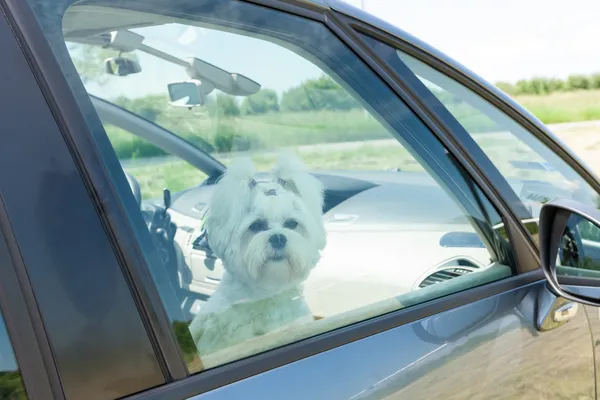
[[579, 249], [120, 66], [186, 94]]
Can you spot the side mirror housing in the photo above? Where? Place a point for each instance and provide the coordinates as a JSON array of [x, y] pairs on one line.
[[569, 248]]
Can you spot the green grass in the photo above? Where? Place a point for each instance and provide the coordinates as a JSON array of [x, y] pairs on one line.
[[302, 128], [262, 134], [173, 174], [562, 107], [277, 129], [177, 175]]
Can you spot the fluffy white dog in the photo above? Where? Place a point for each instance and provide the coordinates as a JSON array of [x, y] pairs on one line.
[[269, 235]]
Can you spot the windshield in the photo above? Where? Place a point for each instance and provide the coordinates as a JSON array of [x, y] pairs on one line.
[[301, 107]]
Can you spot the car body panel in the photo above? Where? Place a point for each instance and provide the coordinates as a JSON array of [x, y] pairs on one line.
[[487, 349]]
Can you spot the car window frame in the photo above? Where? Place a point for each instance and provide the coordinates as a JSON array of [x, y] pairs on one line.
[[73, 124], [24, 325]]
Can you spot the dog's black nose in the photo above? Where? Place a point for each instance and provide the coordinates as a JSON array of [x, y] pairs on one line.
[[278, 241]]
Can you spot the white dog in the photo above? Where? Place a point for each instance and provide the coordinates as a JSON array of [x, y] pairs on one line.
[[269, 235]]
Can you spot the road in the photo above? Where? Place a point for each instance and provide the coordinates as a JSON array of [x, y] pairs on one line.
[[583, 138]]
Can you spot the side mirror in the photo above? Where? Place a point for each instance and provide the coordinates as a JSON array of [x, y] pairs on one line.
[[569, 241]]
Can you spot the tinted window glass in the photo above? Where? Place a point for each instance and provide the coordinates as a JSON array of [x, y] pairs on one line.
[[141, 159]]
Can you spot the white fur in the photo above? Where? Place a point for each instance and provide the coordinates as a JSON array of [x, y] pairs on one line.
[[261, 290]]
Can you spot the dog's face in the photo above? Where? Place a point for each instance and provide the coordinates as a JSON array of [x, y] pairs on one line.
[[268, 234]]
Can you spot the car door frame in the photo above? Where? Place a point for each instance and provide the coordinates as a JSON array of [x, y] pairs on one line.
[[23, 319], [75, 129]]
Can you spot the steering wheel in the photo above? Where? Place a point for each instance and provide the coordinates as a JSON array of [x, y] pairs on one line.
[[571, 246], [135, 188]]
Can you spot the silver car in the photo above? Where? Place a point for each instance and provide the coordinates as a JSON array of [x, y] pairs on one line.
[[463, 239]]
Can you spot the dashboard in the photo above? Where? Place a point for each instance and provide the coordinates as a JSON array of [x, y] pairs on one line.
[[388, 233]]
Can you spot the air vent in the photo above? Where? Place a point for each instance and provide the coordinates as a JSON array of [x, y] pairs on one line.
[[443, 275], [449, 270]]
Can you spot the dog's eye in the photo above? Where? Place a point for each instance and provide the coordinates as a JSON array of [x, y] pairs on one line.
[[290, 224], [259, 226]]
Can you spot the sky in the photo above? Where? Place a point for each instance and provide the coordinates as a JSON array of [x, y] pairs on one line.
[[503, 40]]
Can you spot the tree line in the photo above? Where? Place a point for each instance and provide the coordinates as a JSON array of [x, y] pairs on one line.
[[322, 93], [544, 86]]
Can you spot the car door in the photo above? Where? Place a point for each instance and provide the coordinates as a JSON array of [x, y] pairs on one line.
[[536, 166], [399, 310]]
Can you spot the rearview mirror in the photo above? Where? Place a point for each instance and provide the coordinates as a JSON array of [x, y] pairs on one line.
[[569, 242], [188, 93], [121, 66]]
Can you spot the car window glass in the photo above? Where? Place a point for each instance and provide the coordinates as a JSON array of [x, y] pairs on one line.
[[333, 204], [535, 173], [11, 383], [140, 159]]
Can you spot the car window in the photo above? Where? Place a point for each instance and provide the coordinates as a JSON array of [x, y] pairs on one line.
[[324, 200], [140, 159], [535, 173], [11, 383]]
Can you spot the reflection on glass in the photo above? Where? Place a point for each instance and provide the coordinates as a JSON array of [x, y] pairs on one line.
[[579, 249]]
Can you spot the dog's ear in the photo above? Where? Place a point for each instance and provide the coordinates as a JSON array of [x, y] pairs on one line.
[[293, 176], [229, 202]]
